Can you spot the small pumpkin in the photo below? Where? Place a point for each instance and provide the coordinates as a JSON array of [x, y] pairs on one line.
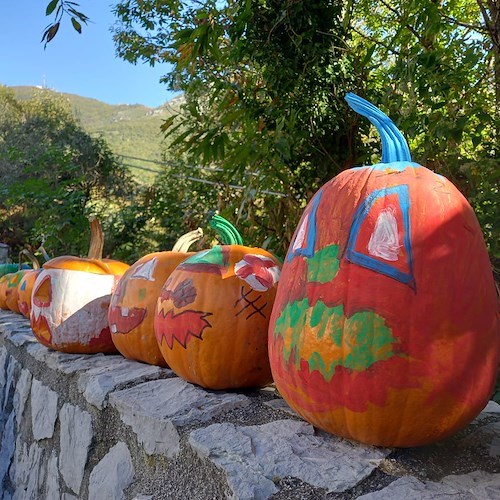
[[213, 312], [9, 283], [133, 303], [385, 325], [71, 297], [25, 287], [3, 289]]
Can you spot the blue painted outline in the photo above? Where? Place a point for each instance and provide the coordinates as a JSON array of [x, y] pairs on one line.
[[308, 251], [370, 262]]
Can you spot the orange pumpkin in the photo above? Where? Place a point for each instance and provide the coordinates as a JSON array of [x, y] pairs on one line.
[[14, 279], [25, 287], [212, 316], [71, 297], [3, 289], [385, 325], [133, 303]]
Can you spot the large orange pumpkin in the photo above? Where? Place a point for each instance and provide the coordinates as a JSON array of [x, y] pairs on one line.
[[385, 325], [213, 313], [71, 298], [133, 303]]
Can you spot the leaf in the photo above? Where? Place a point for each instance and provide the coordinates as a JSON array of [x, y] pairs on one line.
[[76, 25], [50, 7], [51, 33]]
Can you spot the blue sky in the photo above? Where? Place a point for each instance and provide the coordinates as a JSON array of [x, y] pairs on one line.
[[83, 64]]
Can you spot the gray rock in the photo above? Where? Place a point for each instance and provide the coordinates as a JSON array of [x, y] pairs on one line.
[[27, 471], [52, 481], [254, 457], [112, 474], [477, 485], [76, 436], [43, 410], [22, 336], [95, 384], [7, 445], [280, 405], [155, 408], [21, 394], [13, 368], [4, 355]]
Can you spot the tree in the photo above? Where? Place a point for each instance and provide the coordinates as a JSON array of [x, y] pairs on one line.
[[264, 82], [54, 175], [434, 65], [257, 79]]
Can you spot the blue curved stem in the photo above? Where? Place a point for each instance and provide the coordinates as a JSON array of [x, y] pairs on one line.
[[394, 145]]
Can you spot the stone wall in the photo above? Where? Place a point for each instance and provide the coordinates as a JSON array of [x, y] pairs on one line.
[[102, 427]]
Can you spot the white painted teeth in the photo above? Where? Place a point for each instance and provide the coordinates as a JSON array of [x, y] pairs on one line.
[[113, 328], [125, 311]]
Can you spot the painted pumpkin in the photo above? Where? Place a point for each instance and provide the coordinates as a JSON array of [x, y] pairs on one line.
[[385, 325], [13, 286], [71, 298], [3, 290], [213, 313], [133, 303], [25, 287]]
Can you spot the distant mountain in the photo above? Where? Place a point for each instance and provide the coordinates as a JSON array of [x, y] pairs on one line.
[[132, 131]]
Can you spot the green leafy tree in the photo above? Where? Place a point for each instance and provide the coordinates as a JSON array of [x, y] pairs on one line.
[[264, 82], [53, 176], [434, 65], [258, 80]]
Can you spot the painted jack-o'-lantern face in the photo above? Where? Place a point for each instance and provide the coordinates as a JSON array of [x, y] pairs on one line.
[[212, 317], [70, 309], [385, 324], [71, 298], [133, 303]]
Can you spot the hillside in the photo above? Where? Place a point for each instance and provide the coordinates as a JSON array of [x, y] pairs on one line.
[[131, 131]]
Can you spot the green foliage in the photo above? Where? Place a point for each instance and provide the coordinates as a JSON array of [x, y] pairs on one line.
[[131, 131], [264, 82], [257, 79], [61, 8], [54, 175], [431, 67]]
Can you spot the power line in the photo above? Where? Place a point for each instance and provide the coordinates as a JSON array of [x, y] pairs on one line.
[[196, 179]]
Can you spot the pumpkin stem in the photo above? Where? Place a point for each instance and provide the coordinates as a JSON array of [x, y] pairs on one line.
[[96, 239], [228, 233], [44, 253], [29, 257], [186, 240], [394, 145]]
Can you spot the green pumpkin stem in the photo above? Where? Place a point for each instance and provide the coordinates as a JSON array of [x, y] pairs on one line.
[[227, 232], [96, 239], [394, 145], [186, 240], [28, 256]]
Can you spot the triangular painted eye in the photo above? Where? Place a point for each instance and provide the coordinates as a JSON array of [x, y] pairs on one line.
[[378, 226], [384, 241], [145, 270]]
